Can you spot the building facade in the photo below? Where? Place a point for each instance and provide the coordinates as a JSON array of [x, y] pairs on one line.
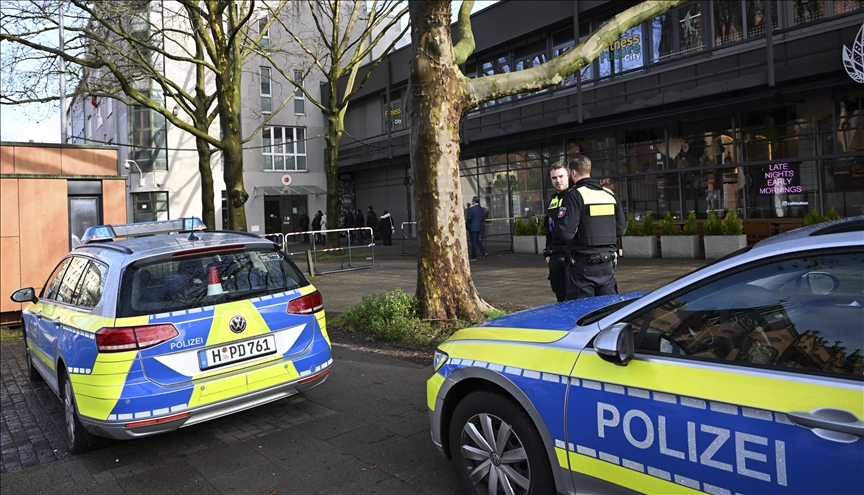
[[702, 109]]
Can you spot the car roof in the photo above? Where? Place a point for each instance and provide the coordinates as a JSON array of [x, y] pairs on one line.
[[847, 230], [155, 245]]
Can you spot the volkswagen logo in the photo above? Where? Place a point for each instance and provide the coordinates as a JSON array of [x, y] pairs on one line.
[[237, 324]]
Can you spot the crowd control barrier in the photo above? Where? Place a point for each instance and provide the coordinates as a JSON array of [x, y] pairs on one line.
[[351, 256]]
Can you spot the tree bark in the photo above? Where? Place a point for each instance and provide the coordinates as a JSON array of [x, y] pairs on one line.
[[445, 289], [208, 206], [335, 127]]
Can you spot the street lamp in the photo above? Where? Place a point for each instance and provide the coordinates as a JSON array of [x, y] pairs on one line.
[[140, 174]]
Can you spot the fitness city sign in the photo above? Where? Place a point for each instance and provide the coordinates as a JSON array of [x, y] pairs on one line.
[[627, 48]]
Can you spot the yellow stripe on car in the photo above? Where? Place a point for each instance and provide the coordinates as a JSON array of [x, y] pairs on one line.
[[626, 477], [535, 358], [105, 381], [220, 333], [433, 385], [509, 334]]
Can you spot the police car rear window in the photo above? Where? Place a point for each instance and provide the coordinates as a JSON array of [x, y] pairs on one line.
[[177, 284]]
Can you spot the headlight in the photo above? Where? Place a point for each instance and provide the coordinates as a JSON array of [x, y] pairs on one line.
[[439, 360]]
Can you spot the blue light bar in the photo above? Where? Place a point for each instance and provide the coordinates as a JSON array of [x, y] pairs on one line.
[[109, 232]]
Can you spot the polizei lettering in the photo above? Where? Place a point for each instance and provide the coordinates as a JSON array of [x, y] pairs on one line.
[[736, 452]]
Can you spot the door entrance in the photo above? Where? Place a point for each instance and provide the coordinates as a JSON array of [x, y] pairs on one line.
[[83, 214], [282, 214]]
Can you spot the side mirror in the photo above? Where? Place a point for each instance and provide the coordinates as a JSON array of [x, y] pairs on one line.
[[25, 295], [615, 344], [821, 282]]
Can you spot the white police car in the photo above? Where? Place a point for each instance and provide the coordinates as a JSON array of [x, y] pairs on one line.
[[149, 334], [743, 377]]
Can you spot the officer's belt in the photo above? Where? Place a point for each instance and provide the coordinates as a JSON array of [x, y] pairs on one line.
[[594, 259], [557, 249]]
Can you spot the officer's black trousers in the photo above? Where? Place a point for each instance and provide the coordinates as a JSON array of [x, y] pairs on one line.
[[558, 275], [587, 280]]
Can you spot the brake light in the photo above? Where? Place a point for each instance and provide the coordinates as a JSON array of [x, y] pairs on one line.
[[148, 422], [306, 305], [133, 338]]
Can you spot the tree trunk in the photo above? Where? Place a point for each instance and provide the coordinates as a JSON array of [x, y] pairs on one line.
[[208, 206], [334, 134], [232, 153], [445, 289]]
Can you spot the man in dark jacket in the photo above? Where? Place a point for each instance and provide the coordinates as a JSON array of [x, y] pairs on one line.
[[303, 225], [348, 223], [385, 224], [555, 251], [590, 219], [476, 218], [372, 221], [359, 222]]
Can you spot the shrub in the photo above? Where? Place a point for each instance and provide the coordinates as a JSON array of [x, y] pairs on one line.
[[813, 217], [540, 224], [732, 225], [667, 225], [524, 227], [712, 226], [690, 227], [832, 215], [648, 226], [632, 226], [390, 316]]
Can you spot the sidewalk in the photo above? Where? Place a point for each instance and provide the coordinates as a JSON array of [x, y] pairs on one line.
[[363, 431]]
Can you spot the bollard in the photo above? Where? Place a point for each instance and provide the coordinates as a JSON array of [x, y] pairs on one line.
[[310, 263]]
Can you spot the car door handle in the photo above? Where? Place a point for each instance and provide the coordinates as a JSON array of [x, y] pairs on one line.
[[827, 418], [56, 321]]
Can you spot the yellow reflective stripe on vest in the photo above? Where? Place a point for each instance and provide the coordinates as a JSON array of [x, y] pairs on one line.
[[601, 210], [597, 197], [555, 203]]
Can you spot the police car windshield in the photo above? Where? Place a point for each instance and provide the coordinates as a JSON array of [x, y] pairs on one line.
[[178, 284]]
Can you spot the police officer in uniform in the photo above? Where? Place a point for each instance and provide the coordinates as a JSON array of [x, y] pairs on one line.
[[555, 251], [590, 219]]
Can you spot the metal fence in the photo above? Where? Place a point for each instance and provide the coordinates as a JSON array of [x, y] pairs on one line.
[[351, 256]]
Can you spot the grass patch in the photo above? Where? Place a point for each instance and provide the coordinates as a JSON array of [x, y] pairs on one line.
[[10, 335], [395, 316]]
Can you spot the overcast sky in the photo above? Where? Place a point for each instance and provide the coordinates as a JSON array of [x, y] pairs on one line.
[[41, 122]]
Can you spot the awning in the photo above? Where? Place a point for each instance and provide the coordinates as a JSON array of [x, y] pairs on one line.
[[292, 190]]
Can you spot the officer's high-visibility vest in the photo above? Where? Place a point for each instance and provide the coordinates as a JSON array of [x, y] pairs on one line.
[[552, 212], [597, 226]]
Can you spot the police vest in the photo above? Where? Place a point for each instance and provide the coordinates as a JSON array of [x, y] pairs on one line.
[[552, 212], [597, 222]]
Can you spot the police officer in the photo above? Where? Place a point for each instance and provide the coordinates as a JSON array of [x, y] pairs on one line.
[[590, 219], [555, 251]]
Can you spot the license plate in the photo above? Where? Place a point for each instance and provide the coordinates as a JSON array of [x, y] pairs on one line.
[[238, 351]]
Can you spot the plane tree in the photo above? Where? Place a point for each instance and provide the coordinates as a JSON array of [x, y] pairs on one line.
[[440, 98]]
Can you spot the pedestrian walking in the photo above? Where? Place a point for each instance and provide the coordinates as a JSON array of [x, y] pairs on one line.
[[324, 227], [476, 219], [385, 225], [590, 219], [372, 221], [555, 250], [304, 225], [316, 225], [359, 222]]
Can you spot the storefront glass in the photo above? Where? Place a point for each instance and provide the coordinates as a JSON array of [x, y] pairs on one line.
[[623, 54], [728, 21], [850, 128], [788, 189], [717, 190], [641, 150], [690, 25], [808, 10], [756, 17], [843, 183]]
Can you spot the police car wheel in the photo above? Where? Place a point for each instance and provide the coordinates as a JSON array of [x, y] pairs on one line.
[[496, 448], [77, 438], [32, 373]]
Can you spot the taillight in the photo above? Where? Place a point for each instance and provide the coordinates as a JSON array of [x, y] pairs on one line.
[[133, 338], [306, 305]]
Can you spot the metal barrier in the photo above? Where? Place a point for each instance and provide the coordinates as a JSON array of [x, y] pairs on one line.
[[409, 237], [349, 252]]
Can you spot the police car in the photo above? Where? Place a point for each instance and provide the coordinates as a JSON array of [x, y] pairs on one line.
[[743, 377], [170, 327]]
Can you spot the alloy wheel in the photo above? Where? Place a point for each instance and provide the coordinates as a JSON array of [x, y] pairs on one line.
[[494, 456]]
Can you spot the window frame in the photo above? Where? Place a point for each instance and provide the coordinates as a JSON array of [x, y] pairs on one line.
[[265, 78], [299, 95], [297, 143]]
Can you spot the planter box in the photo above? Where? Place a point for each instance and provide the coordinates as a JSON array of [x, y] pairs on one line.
[[637, 246], [679, 246], [718, 246], [525, 244]]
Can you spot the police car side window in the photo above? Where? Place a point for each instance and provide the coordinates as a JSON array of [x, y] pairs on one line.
[[92, 285], [53, 284], [68, 290], [804, 313]]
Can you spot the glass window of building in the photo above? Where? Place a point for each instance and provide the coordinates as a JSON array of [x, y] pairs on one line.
[[783, 189], [561, 42], [600, 149], [690, 25], [497, 65], [807, 10], [266, 91], [728, 21], [844, 6], [623, 54], [150, 206], [264, 31], [394, 118], [662, 37], [755, 16], [641, 150], [284, 148], [843, 178], [299, 95], [147, 130], [713, 190]]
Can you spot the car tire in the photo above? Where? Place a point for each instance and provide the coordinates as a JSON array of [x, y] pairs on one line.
[[78, 439], [32, 373], [482, 456]]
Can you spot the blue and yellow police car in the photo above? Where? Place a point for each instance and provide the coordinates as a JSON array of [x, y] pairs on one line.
[[743, 377], [149, 327]]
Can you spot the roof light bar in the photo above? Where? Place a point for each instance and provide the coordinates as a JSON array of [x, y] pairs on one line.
[[109, 232]]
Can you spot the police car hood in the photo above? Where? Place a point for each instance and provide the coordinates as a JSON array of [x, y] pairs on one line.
[[558, 316]]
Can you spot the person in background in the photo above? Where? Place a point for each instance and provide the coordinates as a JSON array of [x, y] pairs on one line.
[[372, 221], [324, 227], [385, 225], [316, 226], [304, 225], [358, 223], [590, 219], [348, 223], [476, 219], [555, 251]]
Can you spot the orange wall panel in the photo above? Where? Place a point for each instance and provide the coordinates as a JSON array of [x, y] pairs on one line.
[[7, 159], [86, 161], [44, 225], [113, 201], [8, 208], [43, 161], [10, 273]]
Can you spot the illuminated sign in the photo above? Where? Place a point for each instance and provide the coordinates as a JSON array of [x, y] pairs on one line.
[[778, 180]]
